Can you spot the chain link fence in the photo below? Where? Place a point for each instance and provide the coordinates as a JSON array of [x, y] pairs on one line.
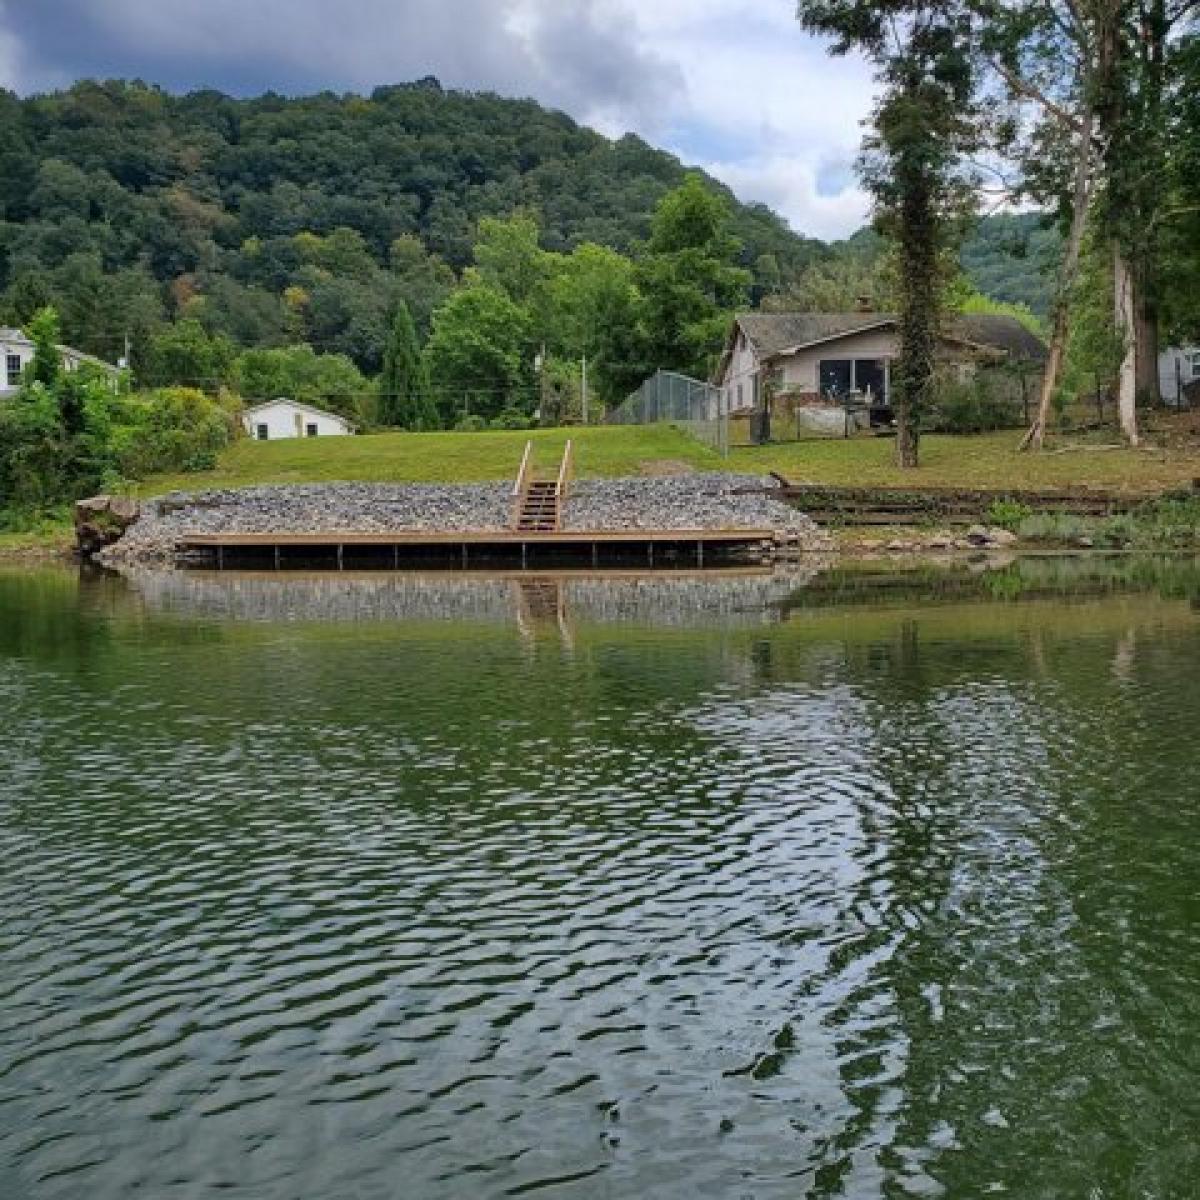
[[695, 407]]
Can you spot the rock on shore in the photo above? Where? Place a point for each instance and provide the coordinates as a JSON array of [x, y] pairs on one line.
[[691, 502]]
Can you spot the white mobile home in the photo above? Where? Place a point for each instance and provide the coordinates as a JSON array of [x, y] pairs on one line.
[[283, 418]]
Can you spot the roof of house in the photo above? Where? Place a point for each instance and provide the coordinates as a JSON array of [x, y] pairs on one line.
[[308, 408], [18, 337], [773, 334]]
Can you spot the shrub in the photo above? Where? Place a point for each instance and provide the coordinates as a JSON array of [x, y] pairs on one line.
[[1008, 514], [473, 423], [975, 405], [511, 418], [1054, 527], [172, 429]]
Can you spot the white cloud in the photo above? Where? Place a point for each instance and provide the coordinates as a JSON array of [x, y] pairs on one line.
[[763, 107], [734, 85]]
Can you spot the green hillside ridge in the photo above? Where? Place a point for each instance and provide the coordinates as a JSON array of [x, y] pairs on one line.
[[279, 220]]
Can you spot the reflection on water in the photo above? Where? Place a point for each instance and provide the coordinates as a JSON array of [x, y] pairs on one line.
[[853, 885]]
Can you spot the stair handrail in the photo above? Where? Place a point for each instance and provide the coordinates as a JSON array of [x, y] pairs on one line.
[[522, 483], [523, 473], [566, 471]]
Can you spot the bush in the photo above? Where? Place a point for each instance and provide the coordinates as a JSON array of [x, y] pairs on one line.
[[1008, 514], [972, 406], [470, 424], [172, 429], [511, 418]]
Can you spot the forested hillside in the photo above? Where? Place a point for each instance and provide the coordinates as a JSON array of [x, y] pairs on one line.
[[273, 220], [127, 206]]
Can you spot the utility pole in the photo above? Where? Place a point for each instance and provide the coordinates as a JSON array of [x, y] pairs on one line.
[[583, 388]]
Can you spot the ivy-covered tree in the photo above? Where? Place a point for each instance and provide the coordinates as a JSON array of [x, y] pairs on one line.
[[921, 128]]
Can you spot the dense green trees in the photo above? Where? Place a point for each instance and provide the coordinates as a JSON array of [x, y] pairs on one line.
[[66, 433], [272, 220]]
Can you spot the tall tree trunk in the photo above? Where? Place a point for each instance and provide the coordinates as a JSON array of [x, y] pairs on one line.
[[1125, 310], [914, 374], [1149, 390], [1068, 274]]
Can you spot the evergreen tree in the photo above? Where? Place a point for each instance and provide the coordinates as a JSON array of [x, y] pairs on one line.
[[404, 398]]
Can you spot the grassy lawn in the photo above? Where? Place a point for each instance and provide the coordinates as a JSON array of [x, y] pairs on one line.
[[47, 540], [442, 457], [988, 460], [982, 461]]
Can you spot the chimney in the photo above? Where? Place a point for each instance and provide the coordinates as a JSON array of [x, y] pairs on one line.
[[863, 304]]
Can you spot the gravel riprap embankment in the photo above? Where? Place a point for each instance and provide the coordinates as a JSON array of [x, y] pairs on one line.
[[687, 502]]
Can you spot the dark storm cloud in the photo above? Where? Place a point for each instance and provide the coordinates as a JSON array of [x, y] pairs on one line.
[[575, 54]]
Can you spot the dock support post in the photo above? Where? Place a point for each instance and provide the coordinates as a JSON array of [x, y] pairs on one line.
[[341, 556], [699, 552], [278, 555], [220, 558], [595, 555], [464, 556], [396, 557], [650, 552], [524, 556]]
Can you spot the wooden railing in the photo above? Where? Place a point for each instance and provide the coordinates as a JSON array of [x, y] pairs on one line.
[[522, 482], [566, 472]]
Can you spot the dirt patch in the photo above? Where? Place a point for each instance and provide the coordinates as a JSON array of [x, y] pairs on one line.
[[660, 468]]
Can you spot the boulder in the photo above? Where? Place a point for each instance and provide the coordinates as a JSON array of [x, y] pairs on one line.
[[102, 520], [1003, 537]]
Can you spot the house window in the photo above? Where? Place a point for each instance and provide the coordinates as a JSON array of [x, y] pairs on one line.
[[1194, 362], [263, 433], [840, 376], [12, 369], [310, 430]]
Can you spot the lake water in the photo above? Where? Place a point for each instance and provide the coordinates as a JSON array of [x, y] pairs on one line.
[[862, 885]]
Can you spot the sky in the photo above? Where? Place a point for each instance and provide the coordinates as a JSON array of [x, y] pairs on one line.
[[733, 86]]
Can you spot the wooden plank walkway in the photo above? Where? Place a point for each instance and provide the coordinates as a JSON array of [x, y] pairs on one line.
[[499, 537]]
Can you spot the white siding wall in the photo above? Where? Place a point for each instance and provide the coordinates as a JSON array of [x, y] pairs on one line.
[[17, 350], [801, 372], [284, 419], [23, 351], [740, 374], [1177, 366]]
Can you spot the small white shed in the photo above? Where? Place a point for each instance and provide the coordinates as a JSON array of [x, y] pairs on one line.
[[284, 418]]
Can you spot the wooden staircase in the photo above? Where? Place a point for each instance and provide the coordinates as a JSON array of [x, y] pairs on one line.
[[539, 512], [538, 503]]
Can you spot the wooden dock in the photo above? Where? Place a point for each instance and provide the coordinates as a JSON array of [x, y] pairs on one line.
[[481, 549]]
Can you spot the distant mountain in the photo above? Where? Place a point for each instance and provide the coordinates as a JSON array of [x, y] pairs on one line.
[[1014, 258]]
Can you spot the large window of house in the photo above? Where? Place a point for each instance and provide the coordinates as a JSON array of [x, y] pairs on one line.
[[12, 369], [841, 376], [1194, 362], [310, 430], [263, 433]]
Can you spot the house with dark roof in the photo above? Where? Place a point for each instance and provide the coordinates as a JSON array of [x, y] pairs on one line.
[[819, 366]]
